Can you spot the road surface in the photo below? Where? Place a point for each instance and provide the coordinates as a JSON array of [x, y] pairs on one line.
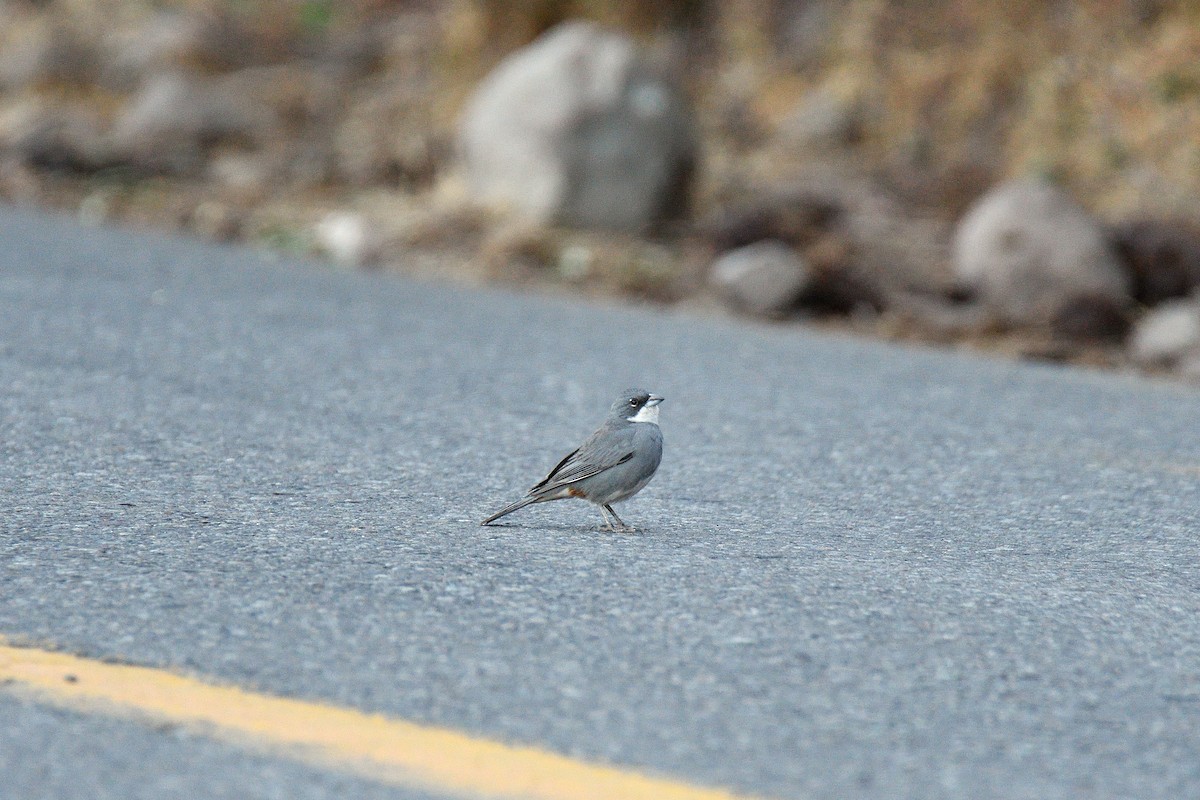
[[862, 570]]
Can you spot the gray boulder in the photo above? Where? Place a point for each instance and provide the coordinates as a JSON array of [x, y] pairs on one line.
[[577, 128], [765, 278], [1025, 249]]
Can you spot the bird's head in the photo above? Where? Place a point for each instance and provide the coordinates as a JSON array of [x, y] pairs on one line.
[[636, 405]]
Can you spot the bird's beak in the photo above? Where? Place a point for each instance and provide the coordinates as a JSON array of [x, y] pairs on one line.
[[653, 401]]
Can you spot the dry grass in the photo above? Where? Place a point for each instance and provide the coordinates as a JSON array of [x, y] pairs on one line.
[[946, 97]]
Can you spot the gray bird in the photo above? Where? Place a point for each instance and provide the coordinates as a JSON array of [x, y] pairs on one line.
[[615, 463]]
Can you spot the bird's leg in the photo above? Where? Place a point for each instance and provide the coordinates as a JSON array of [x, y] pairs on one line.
[[620, 526], [608, 523]]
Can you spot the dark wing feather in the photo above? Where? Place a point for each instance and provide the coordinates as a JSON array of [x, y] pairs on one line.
[[580, 471], [590, 459], [554, 471]]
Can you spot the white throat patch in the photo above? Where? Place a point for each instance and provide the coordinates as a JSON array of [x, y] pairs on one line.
[[646, 414]]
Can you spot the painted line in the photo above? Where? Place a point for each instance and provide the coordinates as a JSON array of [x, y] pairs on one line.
[[368, 745]]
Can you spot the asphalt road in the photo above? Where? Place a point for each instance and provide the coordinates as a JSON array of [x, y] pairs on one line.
[[862, 571]]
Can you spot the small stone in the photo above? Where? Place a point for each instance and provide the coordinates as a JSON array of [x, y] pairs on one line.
[[1167, 335], [96, 207], [765, 278], [575, 262], [344, 237]]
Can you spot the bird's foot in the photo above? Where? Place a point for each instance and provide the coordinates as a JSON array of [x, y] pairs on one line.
[[618, 528]]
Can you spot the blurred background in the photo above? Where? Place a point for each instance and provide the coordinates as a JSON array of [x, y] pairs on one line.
[[1017, 177]]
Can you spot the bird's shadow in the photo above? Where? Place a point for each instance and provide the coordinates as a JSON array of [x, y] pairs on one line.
[[559, 528]]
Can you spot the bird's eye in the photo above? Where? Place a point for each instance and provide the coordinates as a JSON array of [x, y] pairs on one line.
[[633, 401]]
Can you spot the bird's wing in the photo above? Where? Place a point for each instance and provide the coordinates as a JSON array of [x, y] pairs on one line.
[[573, 473], [590, 459]]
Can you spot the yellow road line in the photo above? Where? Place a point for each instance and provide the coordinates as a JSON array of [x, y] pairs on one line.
[[369, 745]]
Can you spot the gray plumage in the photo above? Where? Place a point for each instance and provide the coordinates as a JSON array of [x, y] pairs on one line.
[[615, 463]]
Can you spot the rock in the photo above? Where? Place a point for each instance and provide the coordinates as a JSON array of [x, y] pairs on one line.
[[765, 278], [1163, 258], [162, 125], [344, 237], [1168, 335], [96, 207], [1025, 249], [576, 128], [170, 124], [895, 246], [863, 248]]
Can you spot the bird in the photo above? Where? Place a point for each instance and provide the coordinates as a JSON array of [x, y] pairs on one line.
[[615, 463]]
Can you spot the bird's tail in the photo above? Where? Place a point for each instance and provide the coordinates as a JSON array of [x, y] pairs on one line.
[[511, 507]]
